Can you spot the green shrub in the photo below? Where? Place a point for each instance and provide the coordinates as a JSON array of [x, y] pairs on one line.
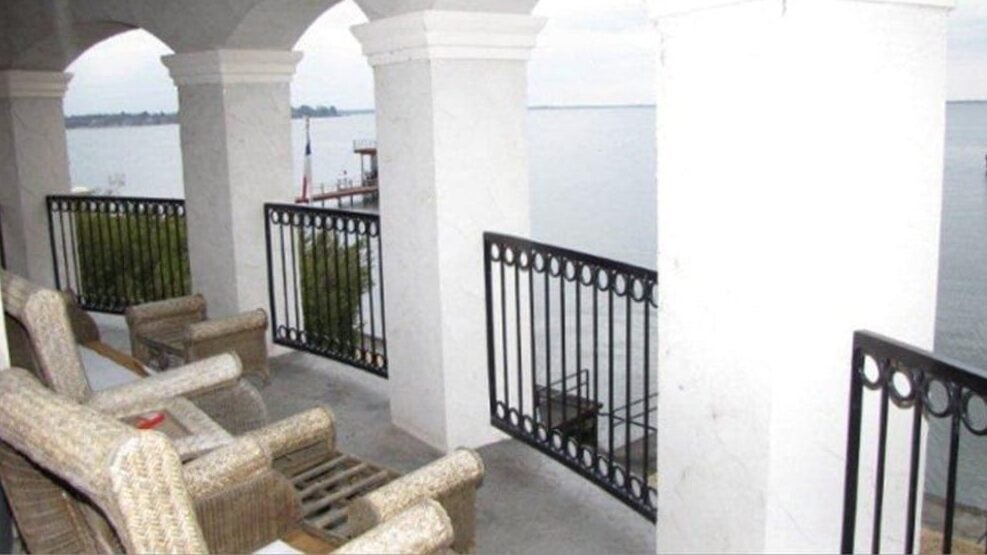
[[131, 258], [334, 278]]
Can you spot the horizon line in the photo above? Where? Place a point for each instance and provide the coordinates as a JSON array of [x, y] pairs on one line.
[[529, 107]]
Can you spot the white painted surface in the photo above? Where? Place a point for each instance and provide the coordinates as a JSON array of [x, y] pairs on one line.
[[33, 164], [826, 121], [236, 154], [450, 131]]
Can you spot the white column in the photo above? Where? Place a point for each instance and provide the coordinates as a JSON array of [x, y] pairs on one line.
[[33, 164], [451, 102], [235, 117], [800, 159]]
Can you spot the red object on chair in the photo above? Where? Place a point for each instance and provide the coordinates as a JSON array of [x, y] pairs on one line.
[[151, 420]]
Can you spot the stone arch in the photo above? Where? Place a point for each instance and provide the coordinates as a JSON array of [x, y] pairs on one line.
[[57, 49], [277, 24]]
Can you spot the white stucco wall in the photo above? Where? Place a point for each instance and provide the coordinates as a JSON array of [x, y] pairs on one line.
[[800, 149]]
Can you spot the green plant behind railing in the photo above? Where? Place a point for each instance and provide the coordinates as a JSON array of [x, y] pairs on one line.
[[127, 259], [334, 278]]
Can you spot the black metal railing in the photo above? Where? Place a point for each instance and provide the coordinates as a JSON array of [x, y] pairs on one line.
[[326, 283], [571, 345], [113, 252], [923, 404]]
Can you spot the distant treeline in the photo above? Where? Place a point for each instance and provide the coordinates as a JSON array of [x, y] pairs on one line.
[[128, 119]]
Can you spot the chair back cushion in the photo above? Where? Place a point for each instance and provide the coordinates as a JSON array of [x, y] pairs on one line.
[[45, 329]]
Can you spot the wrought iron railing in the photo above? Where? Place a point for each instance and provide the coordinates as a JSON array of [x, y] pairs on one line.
[[571, 345], [326, 283], [924, 404], [113, 252]]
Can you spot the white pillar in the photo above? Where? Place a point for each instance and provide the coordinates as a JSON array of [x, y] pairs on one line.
[[33, 164], [800, 158], [451, 103], [235, 117]]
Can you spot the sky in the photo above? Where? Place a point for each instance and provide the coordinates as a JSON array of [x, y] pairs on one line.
[[590, 53]]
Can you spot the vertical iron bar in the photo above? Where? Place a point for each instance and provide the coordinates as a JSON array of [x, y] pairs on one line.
[[610, 407], [580, 408], [881, 459], [270, 272], [168, 276], [913, 473], [380, 287], [647, 394], [491, 359], [562, 353], [370, 294], [548, 349], [73, 223], [295, 284], [123, 244], [517, 329], [596, 363], [54, 248], [359, 291], [954, 455], [338, 286], [65, 250], [531, 331], [852, 455], [503, 330], [627, 389], [302, 261], [349, 288]]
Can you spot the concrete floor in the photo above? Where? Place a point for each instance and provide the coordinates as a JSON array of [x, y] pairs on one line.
[[528, 503]]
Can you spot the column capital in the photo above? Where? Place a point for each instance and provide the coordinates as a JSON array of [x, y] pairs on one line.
[[232, 66], [449, 35], [19, 83]]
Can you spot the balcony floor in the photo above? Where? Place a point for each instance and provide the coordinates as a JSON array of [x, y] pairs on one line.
[[528, 503]]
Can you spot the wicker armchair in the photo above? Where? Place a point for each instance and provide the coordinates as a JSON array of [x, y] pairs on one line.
[[44, 327], [79, 481], [180, 328]]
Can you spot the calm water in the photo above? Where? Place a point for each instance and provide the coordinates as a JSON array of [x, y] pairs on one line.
[[593, 189]]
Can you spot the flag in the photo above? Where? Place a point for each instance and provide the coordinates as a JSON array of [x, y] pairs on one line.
[[307, 177]]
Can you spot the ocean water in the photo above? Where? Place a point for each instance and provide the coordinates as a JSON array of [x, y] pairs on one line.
[[593, 189]]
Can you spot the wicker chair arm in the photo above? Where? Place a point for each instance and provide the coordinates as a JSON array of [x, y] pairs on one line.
[[296, 432], [423, 528], [199, 377], [451, 480], [192, 306], [238, 462], [217, 328]]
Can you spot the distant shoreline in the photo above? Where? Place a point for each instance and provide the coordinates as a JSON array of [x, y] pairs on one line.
[[143, 119]]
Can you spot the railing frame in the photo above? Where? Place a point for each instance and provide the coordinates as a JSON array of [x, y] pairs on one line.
[[646, 502], [919, 368], [282, 333]]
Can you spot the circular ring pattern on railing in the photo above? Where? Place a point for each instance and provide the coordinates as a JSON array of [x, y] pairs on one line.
[[587, 274], [500, 410], [570, 270], [636, 485], [872, 372], [374, 228], [524, 259], [902, 386], [514, 417], [495, 251], [555, 263], [619, 476], [603, 280], [938, 397], [974, 412], [538, 261], [508, 256], [620, 285]]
